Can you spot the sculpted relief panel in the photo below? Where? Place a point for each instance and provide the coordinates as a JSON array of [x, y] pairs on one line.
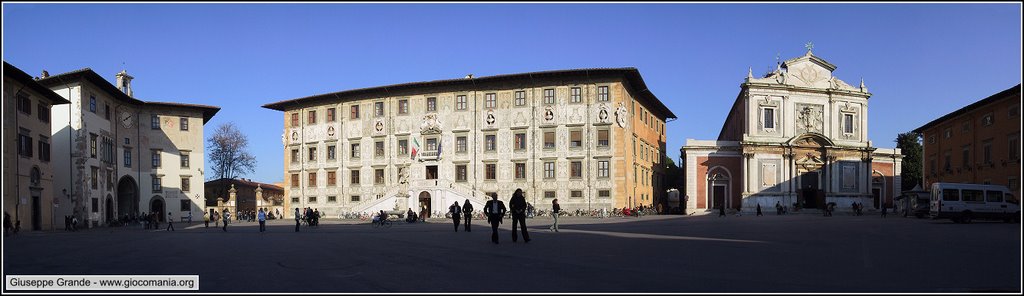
[[809, 118]]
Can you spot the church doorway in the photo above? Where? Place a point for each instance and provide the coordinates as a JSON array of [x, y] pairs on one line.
[[811, 196], [718, 189], [877, 186], [424, 204]]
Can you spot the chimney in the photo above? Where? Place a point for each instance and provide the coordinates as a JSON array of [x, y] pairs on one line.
[[45, 74], [124, 83], [469, 76]]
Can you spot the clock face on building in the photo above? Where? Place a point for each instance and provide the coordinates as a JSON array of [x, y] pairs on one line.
[[127, 120]]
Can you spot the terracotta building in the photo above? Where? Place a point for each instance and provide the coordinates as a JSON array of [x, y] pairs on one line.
[[979, 143], [249, 196]]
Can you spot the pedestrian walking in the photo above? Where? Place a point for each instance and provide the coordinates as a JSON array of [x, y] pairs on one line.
[[517, 205], [298, 218], [759, 210], [495, 211], [467, 213], [456, 211], [206, 219], [778, 208], [555, 209], [190, 217], [7, 223], [883, 211], [170, 221], [227, 217], [262, 217], [721, 210]]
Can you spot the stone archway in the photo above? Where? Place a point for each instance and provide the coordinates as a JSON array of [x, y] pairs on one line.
[[878, 189], [810, 158], [424, 201], [718, 188], [127, 196], [156, 205]]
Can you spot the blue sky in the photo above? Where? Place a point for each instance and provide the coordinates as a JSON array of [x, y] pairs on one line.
[[920, 61]]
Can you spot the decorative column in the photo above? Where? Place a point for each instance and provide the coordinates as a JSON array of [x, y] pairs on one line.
[[231, 199], [259, 196]]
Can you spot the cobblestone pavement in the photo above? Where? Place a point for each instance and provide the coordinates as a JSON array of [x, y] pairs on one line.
[[791, 253]]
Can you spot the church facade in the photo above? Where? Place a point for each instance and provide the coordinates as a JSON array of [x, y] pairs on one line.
[[797, 138], [592, 138]]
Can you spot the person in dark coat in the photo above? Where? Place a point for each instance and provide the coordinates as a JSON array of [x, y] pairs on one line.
[[456, 212], [883, 211], [467, 213], [721, 210], [759, 210], [495, 211], [518, 207], [298, 218]]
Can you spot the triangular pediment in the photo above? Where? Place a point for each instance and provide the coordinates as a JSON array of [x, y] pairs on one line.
[[808, 71]]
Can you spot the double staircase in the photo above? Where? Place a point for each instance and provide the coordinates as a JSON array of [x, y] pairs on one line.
[[390, 197]]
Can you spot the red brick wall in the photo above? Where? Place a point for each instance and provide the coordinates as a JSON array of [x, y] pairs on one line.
[[887, 170], [704, 163]]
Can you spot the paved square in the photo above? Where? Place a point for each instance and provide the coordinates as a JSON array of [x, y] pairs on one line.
[[793, 253]]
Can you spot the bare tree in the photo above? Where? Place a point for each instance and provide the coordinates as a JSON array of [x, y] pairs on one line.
[[229, 153]]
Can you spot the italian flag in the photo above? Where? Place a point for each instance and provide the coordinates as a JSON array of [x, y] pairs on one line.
[[415, 148]]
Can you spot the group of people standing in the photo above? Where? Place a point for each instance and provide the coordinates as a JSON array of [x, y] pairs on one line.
[[457, 212], [310, 215]]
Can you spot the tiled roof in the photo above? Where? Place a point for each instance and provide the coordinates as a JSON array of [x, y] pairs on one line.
[[25, 79], [968, 108]]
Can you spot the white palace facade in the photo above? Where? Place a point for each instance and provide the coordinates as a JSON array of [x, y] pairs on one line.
[[593, 138]]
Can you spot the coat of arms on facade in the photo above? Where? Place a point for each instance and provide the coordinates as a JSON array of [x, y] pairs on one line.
[[379, 127], [490, 117], [602, 116], [620, 115], [549, 114], [330, 131], [430, 125], [809, 119]]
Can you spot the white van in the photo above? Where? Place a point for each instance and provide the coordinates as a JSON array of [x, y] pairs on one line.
[[965, 202]]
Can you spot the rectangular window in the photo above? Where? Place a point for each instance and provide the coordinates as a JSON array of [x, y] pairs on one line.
[[354, 177], [948, 162], [577, 95], [332, 179], [575, 139], [988, 119], [460, 144], [986, 151], [848, 123], [331, 115], [185, 184], [92, 145], [157, 187], [378, 176], [295, 180], [295, 155], [1014, 143], [966, 156], [186, 205], [520, 98], [549, 140], [966, 127], [311, 153], [95, 205], [520, 141], [460, 102], [520, 171], [378, 109], [769, 118], [354, 112], [24, 104], [295, 119], [604, 193], [971, 195], [155, 158], [106, 111], [602, 138], [355, 151], [549, 96], [311, 199], [94, 177], [549, 170], [602, 93], [403, 106], [549, 194], [354, 198], [184, 123], [44, 112], [460, 173], [332, 152], [311, 180], [431, 104], [378, 149], [576, 194], [490, 142], [311, 119], [602, 169], [44, 150], [576, 168], [431, 144], [489, 100], [127, 158], [184, 160], [92, 104], [490, 170], [403, 147]]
